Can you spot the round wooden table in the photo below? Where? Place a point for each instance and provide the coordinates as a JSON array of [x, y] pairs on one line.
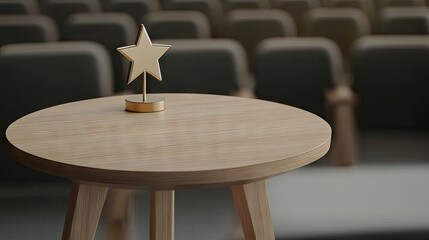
[[198, 141]]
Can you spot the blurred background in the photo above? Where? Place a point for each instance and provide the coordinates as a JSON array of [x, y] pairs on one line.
[[362, 65]]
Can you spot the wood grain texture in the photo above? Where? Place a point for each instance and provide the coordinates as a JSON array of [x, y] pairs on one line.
[[198, 140], [118, 213], [251, 201], [162, 215], [84, 209]]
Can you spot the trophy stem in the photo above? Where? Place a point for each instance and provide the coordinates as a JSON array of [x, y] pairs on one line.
[[150, 103], [144, 87]]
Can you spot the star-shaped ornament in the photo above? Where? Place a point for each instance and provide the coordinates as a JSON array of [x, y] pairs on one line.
[[144, 58]]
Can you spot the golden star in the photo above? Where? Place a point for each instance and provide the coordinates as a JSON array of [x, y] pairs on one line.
[[144, 56]]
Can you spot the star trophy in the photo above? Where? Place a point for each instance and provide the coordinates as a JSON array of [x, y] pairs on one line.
[[144, 59]]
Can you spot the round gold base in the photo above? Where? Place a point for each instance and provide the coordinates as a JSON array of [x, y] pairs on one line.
[[152, 104]]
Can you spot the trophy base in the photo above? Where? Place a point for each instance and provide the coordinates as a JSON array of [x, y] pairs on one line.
[[152, 104]]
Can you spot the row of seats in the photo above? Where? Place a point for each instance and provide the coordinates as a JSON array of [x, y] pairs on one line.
[[212, 9], [59, 10], [144, 6], [390, 78], [248, 27]]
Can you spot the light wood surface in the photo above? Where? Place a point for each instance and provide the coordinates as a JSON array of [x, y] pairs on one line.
[[198, 140], [84, 209], [118, 213], [251, 201], [162, 215]]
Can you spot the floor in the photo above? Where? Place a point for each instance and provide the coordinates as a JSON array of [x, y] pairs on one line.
[[313, 203], [37, 212]]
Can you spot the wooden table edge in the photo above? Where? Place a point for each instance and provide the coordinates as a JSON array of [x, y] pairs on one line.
[[169, 180]]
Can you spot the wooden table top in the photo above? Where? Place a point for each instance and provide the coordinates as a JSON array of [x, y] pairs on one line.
[[198, 140]]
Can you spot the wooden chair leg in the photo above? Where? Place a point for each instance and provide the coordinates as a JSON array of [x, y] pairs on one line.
[[119, 214], [84, 209], [162, 215], [343, 144], [251, 201], [341, 100]]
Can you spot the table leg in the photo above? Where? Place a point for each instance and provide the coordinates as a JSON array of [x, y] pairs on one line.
[[162, 215], [118, 214], [84, 209], [251, 201]]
